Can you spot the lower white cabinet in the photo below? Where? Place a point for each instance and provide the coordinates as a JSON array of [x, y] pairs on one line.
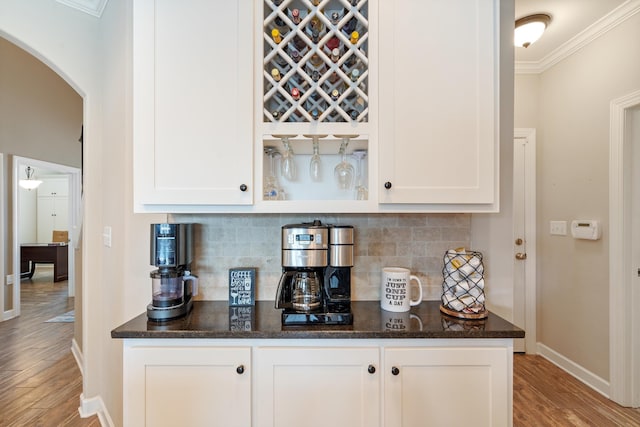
[[317, 387], [318, 383], [188, 385], [447, 387]]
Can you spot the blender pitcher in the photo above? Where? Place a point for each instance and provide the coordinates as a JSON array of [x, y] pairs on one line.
[[168, 288]]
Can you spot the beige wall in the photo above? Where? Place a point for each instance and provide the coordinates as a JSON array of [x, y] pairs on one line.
[[40, 118], [569, 106]]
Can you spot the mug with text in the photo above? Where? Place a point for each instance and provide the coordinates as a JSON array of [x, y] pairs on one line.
[[395, 292]]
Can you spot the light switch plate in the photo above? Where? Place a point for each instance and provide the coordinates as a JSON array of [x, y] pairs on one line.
[[106, 236], [558, 228]]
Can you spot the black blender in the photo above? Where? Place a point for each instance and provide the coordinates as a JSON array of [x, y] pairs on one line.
[[173, 285]]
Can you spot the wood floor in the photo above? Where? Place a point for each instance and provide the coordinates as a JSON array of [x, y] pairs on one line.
[[545, 395], [40, 383]]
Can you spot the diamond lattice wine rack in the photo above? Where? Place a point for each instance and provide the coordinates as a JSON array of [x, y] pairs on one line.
[[315, 61]]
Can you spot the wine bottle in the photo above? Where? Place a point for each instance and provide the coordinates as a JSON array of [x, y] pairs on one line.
[[335, 18], [355, 36], [275, 73], [295, 55], [295, 16], [335, 94], [335, 54], [295, 93], [355, 74], [281, 25], [275, 34]]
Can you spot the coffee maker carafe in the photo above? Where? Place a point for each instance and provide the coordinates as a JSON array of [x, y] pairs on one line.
[[172, 284], [315, 286]]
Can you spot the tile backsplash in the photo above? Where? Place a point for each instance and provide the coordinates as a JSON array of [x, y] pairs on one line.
[[414, 241]]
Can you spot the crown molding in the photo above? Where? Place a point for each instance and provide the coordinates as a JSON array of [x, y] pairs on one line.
[[580, 40], [92, 7]]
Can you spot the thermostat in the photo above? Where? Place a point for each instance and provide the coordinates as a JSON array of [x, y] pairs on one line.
[[586, 229]]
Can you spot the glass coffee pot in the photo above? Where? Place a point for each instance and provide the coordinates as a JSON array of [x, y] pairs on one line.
[[306, 291]]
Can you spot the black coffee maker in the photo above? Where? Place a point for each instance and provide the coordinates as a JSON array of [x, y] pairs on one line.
[[315, 286], [173, 285]]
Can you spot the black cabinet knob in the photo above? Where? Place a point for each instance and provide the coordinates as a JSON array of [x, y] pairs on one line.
[[395, 371], [243, 187], [371, 369], [240, 369], [387, 185]]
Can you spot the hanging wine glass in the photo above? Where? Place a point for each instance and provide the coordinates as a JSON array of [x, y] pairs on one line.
[[271, 187], [344, 172], [362, 193], [288, 164], [315, 166]]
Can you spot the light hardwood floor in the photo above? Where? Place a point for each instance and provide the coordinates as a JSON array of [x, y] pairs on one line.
[[40, 383]]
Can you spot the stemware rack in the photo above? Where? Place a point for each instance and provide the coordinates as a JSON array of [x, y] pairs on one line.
[[304, 187], [315, 61]]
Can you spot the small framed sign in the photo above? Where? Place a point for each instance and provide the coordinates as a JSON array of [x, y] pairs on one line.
[[242, 286]]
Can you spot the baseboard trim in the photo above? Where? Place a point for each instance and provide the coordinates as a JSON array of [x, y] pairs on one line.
[[95, 406], [77, 354], [589, 378]]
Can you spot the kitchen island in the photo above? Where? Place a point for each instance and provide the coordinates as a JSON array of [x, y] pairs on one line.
[[241, 367]]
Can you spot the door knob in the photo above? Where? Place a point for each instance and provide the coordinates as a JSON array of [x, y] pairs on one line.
[[521, 256], [519, 241]]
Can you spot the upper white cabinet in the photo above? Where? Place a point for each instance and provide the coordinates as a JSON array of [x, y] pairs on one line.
[[192, 102], [225, 92], [439, 91]]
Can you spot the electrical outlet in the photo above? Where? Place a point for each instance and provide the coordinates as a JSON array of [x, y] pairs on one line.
[[9, 279], [558, 228]]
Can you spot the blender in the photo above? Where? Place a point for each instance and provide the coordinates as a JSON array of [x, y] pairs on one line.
[[172, 284]]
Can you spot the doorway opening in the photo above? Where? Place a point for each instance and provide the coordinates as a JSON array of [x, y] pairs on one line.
[[73, 222], [624, 250]]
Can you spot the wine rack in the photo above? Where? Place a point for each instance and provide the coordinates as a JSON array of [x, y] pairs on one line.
[[315, 61]]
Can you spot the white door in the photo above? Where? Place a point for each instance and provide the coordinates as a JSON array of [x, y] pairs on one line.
[[524, 222], [633, 117]]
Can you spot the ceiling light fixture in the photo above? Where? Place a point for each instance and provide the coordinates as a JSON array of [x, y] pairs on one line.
[[530, 28], [29, 183]]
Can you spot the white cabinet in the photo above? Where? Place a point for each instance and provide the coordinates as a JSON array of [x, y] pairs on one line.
[[318, 383], [317, 387], [192, 102], [52, 208], [439, 91], [427, 104], [189, 385], [447, 386]]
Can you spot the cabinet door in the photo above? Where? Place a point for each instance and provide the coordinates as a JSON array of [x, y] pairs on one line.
[[187, 386], [192, 89], [54, 187], [53, 214], [438, 101], [317, 387], [447, 387]]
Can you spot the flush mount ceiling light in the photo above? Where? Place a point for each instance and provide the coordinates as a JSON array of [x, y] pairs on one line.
[[29, 183], [530, 28]]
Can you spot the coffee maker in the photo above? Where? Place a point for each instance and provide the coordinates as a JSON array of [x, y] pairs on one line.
[[315, 286], [172, 284]]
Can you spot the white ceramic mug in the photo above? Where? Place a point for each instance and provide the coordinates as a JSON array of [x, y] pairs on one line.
[[395, 291]]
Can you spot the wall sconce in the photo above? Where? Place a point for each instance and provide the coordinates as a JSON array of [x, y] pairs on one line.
[[29, 183], [530, 28]]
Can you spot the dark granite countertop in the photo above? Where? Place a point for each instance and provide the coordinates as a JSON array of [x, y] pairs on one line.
[[215, 319]]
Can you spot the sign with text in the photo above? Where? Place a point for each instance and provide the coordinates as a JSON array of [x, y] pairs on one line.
[[242, 286]]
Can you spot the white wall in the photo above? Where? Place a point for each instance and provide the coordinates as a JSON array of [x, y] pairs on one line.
[[569, 105], [67, 41]]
